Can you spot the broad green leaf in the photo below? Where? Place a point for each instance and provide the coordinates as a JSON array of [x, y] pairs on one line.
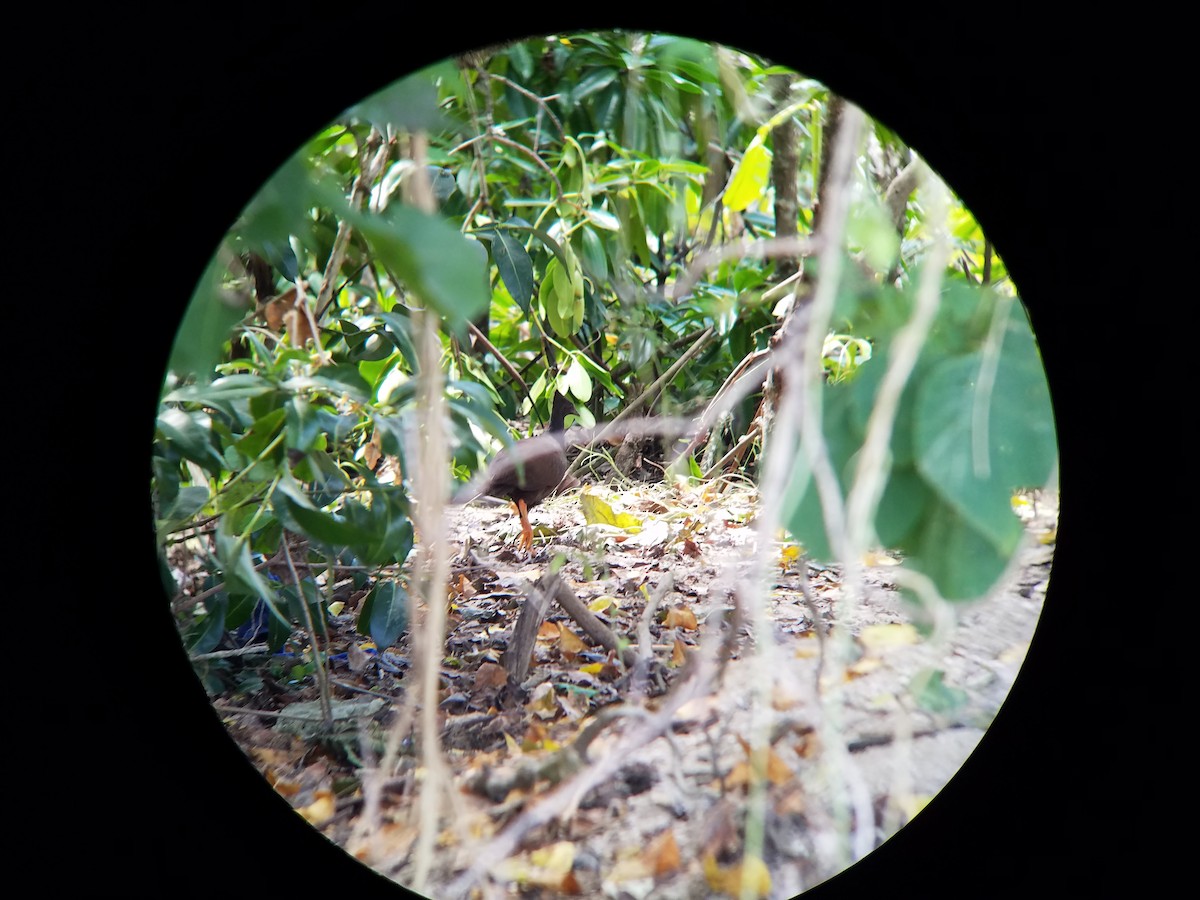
[[188, 502], [602, 219], [595, 259], [410, 103], [515, 267], [327, 528], [431, 257], [384, 614], [869, 229], [207, 323], [399, 330], [190, 433], [576, 378], [223, 390], [260, 434], [241, 577], [931, 692], [303, 425]]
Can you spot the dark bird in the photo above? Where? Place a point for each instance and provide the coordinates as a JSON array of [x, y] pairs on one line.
[[528, 471]]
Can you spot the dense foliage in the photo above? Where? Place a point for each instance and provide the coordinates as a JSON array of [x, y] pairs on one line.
[[560, 204]]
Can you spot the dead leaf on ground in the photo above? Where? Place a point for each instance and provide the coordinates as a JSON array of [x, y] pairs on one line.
[[680, 617], [490, 675], [728, 881], [662, 854]]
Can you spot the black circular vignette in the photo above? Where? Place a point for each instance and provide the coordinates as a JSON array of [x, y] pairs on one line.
[[986, 98]]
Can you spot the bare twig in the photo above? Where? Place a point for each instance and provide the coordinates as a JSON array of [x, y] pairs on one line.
[[500, 357], [646, 397], [375, 151], [521, 148], [743, 249], [318, 662]]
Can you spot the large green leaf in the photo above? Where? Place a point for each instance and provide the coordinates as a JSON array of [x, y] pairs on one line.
[[962, 441], [384, 614], [210, 317], [223, 390], [515, 267], [429, 255], [191, 434], [328, 528], [410, 103]]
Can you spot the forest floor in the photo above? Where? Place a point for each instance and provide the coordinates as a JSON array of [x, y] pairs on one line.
[[594, 779]]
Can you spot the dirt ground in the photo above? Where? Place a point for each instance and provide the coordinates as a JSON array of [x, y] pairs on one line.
[[587, 780]]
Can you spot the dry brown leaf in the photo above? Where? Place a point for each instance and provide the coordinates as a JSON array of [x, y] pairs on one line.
[[275, 310], [778, 772], [373, 451], [548, 631], [678, 653], [357, 657], [569, 644], [490, 675], [575, 705], [883, 637], [299, 330], [680, 617], [662, 854]]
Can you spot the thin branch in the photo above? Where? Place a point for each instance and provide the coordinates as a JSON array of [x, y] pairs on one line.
[[500, 357], [318, 663], [521, 148], [798, 247], [358, 195], [540, 101], [645, 397]]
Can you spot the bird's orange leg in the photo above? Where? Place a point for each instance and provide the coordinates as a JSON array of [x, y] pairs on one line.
[[526, 528]]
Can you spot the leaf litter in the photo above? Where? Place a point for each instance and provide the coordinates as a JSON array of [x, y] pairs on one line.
[[669, 823]]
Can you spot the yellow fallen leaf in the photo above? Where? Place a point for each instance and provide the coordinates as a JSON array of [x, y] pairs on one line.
[[321, 810], [597, 511], [729, 881], [895, 634], [604, 603]]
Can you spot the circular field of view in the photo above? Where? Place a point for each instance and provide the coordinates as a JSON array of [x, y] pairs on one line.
[[607, 464]]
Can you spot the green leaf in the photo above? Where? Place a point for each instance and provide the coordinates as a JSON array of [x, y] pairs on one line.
[[595, 260], [515, 267], [933, 694], [399, 331], [241, 577], [433, 259], [384, 614], [260, 434], [210, 317], [190, 433], [303, 425], [337, 380], [577, 380], [410, 103], [328, 528], [188, 502], [223, 390]]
